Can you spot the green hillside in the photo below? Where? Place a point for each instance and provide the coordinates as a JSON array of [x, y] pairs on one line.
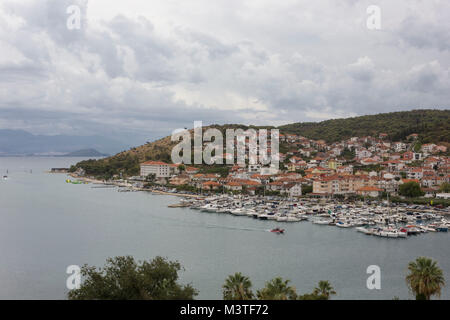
[[431, 125]]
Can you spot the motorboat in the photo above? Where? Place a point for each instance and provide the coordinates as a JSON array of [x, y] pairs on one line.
[[388, 233], [341, 224], [250, 212], [364, 230], [412, 230], [263, 216], [277, 230], [238, 212], [207, 208], [223, 210], [321, 221], [427, 228], [272, 216]]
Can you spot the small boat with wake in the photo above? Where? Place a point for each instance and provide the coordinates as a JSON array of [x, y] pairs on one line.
[[277, 230]]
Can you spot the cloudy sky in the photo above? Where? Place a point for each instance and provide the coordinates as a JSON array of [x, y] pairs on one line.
[[140, 69]]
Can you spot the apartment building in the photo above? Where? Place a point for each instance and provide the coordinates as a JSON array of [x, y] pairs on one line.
[[159, 168]]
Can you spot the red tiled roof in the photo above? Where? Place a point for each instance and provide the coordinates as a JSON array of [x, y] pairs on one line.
[[410, 180], [212, 183], [234, 184], [154, 163]]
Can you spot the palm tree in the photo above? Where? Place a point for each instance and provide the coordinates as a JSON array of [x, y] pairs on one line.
[[237, 287], [277, 289], [425, 278], [324, 289]]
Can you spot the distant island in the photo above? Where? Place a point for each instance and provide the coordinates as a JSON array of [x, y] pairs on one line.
[[23, 143], [85, 153]]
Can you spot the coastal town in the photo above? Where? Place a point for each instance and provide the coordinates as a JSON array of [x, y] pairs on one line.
[[360, 166], [344, 184]]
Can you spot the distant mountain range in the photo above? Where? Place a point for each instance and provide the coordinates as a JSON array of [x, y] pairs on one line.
[[85, 153], [20, 142]]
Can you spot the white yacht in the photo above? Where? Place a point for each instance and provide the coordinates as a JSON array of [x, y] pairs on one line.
[[238, 212], [341, 224], [321, 221]]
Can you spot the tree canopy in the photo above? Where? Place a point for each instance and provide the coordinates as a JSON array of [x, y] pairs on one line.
[[123, 278], [410, 189], [237, 287], [445, 187], [431, 125], [277, 289], [425, 278]]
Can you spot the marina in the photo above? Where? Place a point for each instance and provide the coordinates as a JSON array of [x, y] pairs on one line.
[[380, 220]]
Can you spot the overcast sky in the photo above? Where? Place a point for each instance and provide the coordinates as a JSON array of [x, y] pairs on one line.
[[141, 69]]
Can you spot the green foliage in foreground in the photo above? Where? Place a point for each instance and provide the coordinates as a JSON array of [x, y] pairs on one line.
[[124, 279], [277, 289], [238, 287], [425, 278]]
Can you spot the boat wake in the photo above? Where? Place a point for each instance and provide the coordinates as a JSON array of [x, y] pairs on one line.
[[234, 228]]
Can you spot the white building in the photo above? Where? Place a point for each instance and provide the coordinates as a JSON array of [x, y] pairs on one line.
[[254, 168], [159, 168], [295, 190], [399, 146], [428, 148], [269, 170], [363, 153]]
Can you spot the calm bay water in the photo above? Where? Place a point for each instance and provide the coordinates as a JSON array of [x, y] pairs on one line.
[[47, 224]]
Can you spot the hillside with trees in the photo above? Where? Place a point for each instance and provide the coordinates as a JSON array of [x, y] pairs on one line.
[[431, 125]]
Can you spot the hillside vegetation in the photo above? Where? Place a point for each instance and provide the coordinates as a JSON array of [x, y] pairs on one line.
[[127, 162], [431, 125]]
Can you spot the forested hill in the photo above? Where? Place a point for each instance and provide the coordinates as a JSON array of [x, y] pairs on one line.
[[431, 125]]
